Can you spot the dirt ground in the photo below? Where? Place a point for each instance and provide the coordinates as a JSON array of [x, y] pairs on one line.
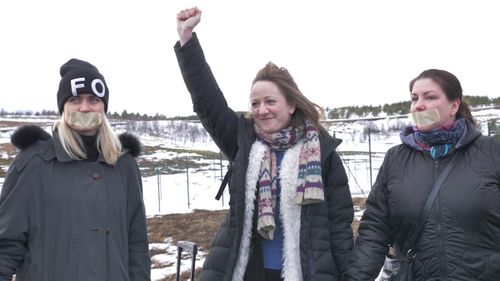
[[199, 227]]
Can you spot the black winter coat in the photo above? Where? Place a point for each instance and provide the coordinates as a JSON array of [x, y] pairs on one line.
[[461, 237], [317, 245], [63, 219]]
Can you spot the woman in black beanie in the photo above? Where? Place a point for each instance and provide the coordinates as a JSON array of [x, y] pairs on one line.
[[71, 205]]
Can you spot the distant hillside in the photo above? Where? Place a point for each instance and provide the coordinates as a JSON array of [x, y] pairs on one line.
[[346, 112], [399, 108]]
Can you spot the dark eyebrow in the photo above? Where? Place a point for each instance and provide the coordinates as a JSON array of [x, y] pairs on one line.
[[424, 93]]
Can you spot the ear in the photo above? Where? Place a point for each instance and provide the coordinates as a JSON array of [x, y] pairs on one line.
[[455, 105], [291, 108]]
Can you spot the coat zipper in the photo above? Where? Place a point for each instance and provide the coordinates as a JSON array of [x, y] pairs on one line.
[[440, 232]]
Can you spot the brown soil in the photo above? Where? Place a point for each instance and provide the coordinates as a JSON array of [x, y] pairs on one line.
[[199, 227]]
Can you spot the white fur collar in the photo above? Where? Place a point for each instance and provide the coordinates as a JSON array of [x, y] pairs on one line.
[[289, 211]]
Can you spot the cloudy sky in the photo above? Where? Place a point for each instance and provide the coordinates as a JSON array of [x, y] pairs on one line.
[[341, 53]]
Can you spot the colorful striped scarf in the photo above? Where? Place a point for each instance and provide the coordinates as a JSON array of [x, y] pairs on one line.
[[309, 184], [439, 142]]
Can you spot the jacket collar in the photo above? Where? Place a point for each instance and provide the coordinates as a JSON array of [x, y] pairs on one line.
[[61, 154], [328, 144], [472, 133], [130, 144], [27, 136]]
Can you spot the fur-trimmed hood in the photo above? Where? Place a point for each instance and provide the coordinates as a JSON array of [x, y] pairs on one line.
[[27, 135], [131, 142]]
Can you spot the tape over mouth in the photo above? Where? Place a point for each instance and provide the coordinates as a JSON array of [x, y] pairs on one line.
[[84, 119], [424, 118]]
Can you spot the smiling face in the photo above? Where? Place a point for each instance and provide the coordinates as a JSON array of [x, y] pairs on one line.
[[83, 103], [426, 95], [270, 110]]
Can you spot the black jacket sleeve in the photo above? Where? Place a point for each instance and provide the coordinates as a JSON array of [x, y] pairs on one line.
[[340, 213], [375, 230], [220, 121], [14, 219]]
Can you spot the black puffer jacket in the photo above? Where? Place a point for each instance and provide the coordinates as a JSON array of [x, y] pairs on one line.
[[461, 237], [318, 237]]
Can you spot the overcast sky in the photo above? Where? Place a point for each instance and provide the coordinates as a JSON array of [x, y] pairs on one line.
[[339, 52]]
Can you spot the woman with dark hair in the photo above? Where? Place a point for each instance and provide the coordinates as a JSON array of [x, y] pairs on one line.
[[450, 85], [290, 207], [458, 237]]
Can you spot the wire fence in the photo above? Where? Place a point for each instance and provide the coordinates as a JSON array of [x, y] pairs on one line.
[[361, 166], [361, 163]]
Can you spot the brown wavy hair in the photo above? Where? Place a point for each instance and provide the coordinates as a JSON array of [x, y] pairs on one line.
[[304, 108]]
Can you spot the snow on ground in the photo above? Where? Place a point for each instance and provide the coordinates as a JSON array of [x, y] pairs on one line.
[[167, 263]]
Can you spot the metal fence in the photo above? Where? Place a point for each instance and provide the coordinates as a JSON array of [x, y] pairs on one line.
[[361, 165]]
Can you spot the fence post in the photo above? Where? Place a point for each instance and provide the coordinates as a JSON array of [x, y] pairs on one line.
[[370, 153], [221, 175], [158, 180], [215, 171], [187, 179]]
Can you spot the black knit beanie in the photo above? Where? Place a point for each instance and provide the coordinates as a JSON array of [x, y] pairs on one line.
[[80, 77]]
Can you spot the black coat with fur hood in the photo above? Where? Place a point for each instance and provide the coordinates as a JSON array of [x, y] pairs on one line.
[[317, 237], [64, 219]]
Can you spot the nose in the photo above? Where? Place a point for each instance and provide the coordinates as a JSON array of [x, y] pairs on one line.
[[419, 105], [85, 106], [262, 109]]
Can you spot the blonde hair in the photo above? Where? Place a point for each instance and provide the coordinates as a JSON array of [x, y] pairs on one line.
[[108, 143]]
